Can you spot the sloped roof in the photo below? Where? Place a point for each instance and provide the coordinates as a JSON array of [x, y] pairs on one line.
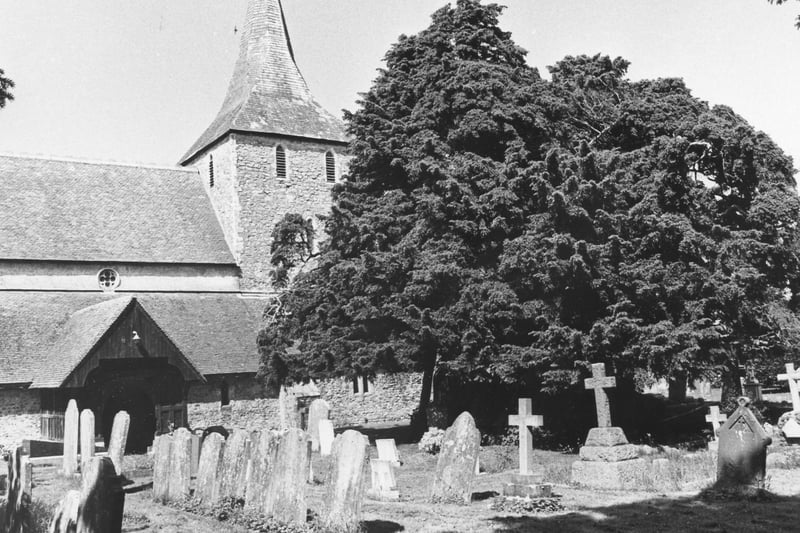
[[47, 334], [267, 93], [78, 211]]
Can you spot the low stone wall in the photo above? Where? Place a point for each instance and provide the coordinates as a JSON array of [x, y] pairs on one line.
[[19, 416], [391, 398]]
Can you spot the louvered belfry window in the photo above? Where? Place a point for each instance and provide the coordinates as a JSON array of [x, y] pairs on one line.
[[330, 167], [211, 171], [280, 162]]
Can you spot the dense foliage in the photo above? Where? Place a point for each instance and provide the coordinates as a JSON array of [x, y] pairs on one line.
[[499, 227], [5, 89]]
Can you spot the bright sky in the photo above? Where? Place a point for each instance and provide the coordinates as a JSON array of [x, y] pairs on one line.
[[138, 81]]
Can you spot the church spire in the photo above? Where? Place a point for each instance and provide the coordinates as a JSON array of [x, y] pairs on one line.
[[267, 93]]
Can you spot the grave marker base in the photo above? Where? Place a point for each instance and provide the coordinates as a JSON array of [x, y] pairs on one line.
[[602, 475]]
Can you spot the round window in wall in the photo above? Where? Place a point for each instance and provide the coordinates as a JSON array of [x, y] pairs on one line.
[[108, 279]]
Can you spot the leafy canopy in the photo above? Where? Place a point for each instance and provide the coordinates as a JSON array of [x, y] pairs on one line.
[[5, 89], [499, 227]]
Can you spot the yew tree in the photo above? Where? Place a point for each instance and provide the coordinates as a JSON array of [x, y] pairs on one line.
[[497, 227]]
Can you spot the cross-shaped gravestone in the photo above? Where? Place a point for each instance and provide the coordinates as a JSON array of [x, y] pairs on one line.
[[525, 419], [714, 417], [598, 382], [792, 376]]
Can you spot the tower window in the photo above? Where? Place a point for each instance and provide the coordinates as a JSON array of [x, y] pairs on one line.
[[330, 167], [211, 171], [280, 162]]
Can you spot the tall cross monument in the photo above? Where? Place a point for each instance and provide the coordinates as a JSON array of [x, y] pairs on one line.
[[599, 382], [523, 420]]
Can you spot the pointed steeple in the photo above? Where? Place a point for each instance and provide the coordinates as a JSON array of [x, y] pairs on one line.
[[267, 93]]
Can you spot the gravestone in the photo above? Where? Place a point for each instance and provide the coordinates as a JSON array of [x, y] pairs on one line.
[[455, 468], [791, 428], [384, 482], [195, 453], [65, 519], [118, 440], [288, 409], [528, 483], [325, 437], [387, 451], [345, 492], [285, 493], [16, 518], [714, 417], [162, 456], [71, 438], [180, 465], [318, 410], [607, 460], [102, 500], [263, 452], [209, 470], [742, 456], [234, 465], [87, 438]]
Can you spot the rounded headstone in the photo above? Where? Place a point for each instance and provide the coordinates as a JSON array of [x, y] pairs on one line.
[[455, 469], [209, 469], [346, 482]]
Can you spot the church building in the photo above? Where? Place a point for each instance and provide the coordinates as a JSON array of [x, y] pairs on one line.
[[142, 288]]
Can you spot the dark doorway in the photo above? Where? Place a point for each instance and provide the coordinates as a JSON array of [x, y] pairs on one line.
[[141, 409]]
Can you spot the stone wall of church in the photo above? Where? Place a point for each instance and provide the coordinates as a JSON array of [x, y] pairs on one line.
[[250, 199], [19, 416], [248, 407]]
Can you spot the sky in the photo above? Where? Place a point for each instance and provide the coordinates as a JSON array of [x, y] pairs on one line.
[[137, 81]]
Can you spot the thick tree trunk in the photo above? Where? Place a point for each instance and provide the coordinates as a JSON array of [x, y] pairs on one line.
[[677, 387], [731, 389], [419, 421]]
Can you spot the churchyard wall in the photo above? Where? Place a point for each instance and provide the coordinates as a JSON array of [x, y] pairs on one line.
[[19, 416]]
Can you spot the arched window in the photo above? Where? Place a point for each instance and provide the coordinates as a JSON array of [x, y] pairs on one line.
[[211, 171], [280, 162], [330, 167]]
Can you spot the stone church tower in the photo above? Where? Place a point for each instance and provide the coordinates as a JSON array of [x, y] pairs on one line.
[[271, 150]]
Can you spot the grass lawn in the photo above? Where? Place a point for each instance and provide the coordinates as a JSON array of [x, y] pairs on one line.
[[586, 510]]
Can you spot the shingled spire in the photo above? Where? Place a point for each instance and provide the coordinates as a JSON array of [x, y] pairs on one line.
[[267, 93]]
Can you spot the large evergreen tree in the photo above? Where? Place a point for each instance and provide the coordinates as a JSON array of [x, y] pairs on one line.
[[5, 89], [501, 228]]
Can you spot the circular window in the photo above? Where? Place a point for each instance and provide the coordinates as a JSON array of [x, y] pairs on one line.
[[108, 279]]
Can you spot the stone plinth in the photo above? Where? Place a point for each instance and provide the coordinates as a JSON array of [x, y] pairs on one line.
[[620, 475], [527, 486], [609, 454]]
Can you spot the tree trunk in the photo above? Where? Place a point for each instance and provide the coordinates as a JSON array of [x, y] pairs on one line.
[[419, 420], [677, 387], [731, 389]]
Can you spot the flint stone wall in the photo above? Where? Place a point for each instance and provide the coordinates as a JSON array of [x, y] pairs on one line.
[[248, 407], [19, 416]]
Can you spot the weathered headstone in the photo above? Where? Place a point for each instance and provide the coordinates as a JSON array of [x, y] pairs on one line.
[[607, 460], [234, 465], [346, 482], [162, 457], [180, 469], [195, 453], [285, 493], [102, 499], [65, 519], [387, 451], [263, 452], [455, 469], [118, 440], [325, 436], [209, 469], [528, 483], [742, 456], [87, 438], [71, 438], [318, 410], [17, 517], [287, 409], [384, 482]]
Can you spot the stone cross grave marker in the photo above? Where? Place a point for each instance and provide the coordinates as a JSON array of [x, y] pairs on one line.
[[387, 451], [102, 499], [455, 468], [180, 465], [87, 438], [346, 484], [71, 438], [599, 382], [118, 440], [714, 417], [161, 467], [742, 456], [285, 493], [325, 436], [209, 469], [523, 420], [318, 410], [792, 376]]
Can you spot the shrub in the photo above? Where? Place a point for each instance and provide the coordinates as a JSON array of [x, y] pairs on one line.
[[431, 441]]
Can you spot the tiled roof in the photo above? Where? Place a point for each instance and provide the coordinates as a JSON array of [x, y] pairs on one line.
[[267, 93], [78, 211], [45, 335]]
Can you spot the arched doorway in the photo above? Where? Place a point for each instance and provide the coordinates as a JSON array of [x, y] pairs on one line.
[[140, 407]]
